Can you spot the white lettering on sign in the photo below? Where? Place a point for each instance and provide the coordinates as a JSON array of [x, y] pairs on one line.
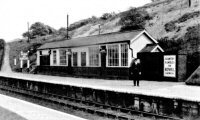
[[170, 66], [24, 56]]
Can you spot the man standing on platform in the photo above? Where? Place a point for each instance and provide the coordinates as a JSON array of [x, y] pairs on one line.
[[135, 71]]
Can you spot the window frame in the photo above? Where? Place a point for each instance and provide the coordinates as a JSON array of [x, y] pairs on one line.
[[54, 58], [85, 53], [66, 57], [119, 54], [76, 59], [99, 56], [107, 56]]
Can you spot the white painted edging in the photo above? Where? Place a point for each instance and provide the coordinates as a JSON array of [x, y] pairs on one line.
[[32, 111]]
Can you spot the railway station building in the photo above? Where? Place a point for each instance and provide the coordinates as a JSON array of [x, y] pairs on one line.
[[102, 56]]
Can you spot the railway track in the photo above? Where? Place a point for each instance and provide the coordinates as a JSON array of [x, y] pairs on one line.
[[88, 106]]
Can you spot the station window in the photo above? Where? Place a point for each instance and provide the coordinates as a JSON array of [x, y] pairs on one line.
[[94, 56], [75, 58], [54, 57], [113, 55], [124, 55], [63, 57], [83, 58]]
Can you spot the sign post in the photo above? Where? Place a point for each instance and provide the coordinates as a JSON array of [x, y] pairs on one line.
[[28, 63], [170, 66], [24, 56], [15, 61], [21, 63]]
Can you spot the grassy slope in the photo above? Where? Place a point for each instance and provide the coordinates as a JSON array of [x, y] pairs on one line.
[[169, 11], [163, 11], [93, 28]]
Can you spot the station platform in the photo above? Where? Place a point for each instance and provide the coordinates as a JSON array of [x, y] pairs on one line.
[[172, 90], [32, 111]]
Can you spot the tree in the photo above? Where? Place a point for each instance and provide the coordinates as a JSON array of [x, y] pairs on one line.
[[2, 43], [106, 16], [62, 31], [51, 30], [39, 29], [27, 34]]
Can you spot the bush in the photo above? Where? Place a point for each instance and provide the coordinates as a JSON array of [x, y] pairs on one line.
[[188, 16], [192, 33], [107, 16], [81, 23], [78, 25], [171, 45], [133, 19], [2, 48], [192, 37], [169, 27]]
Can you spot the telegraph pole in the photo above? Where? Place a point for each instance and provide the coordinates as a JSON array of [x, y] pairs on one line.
[[99, 29], [67, 26], [28, 32]]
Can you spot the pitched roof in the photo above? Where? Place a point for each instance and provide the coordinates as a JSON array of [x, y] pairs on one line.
[[93, 40], [149, 48]]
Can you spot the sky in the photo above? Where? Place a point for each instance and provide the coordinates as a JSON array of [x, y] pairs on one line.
[[15, 14]]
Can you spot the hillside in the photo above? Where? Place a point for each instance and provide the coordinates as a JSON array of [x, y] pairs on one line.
[[172, 20], [162, 12], [168, 19]]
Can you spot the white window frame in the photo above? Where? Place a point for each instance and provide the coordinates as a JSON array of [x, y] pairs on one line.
[[66, 59], [73, 59], [54, 58], [99, 64], [108, 55], [119, 46], [121, 54], [85, 58]]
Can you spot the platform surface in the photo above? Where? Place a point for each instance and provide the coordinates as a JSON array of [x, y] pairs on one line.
[[32, 111], [174, 90]]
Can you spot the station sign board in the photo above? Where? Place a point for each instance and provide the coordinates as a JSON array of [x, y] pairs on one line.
[[24, 56], [170, 66]]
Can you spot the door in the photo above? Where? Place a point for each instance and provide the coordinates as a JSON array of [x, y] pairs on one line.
[[103, 61], [69, 61], [45, 60]]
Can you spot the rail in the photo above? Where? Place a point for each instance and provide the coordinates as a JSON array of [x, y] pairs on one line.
[[86, 105]]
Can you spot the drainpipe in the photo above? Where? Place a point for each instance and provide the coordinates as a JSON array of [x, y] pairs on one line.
[[131, 50]]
